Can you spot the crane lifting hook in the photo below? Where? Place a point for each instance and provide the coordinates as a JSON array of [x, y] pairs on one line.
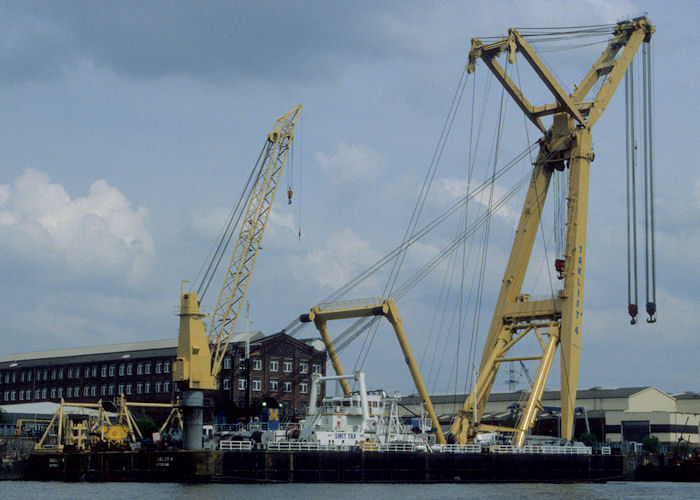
[[559, 267], [651, 311], [632, 309], [289, 196]]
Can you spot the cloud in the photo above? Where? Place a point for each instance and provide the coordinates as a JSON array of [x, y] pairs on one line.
[[352, 163], [213, 41], [453, 189], [98, 235], [343, 257]]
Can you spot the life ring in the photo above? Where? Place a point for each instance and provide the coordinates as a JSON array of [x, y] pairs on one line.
[[337, 425]]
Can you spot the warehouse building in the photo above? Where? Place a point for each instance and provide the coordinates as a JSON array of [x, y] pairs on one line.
[[279, 370], [614, 415]]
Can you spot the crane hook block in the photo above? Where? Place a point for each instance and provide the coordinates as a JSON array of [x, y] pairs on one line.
[[651, 311], [633, 310], [559, 267], [289, 196]]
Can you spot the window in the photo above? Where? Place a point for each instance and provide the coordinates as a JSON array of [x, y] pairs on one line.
[[242, 384], [104, 370], [303, 366], [111, 370], [147, 369], [86, 391], [166, 386], [53, 374], [93, 390], [227, 363], [257, 385], [139, 369], [121, 370], [7, 396], [129, 369], [69, 392], [139, 388], [37, 394], [21, 395], [303, 387], [14, 375], [12, 395], [158, 367], [287, 366], [227, 383], [7, 377], [110, 390], [166, 367], [257, 364], [70, 373], [60, 392], [43, 393], [287, 386], [147, 387], [76, 392], [128, 389], [103, 390], [53, 393], [21, 377], [274, 385], [274, 365], [158, 386], [94, 371], [60, 374], [316, 368], [87, 371], [120, 389]]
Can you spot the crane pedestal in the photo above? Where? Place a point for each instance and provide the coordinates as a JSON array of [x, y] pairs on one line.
[[193, 416]]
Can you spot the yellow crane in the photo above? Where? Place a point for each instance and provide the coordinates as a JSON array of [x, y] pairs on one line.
[[323, 313], [557, 322], [199, 354]]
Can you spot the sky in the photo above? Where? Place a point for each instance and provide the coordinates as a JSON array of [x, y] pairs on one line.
[[128, 129]]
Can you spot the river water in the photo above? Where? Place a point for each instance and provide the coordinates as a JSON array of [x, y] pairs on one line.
[[171, 491]]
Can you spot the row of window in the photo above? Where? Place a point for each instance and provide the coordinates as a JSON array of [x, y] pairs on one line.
[[256, 385], [287, 365], [88, 391], [87, 371]]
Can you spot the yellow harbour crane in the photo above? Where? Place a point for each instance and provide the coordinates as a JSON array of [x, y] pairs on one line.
[[199, 354], [557, 322]]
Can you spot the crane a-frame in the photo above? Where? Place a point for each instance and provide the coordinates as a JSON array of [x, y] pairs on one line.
[[556, 322], [200, 355]]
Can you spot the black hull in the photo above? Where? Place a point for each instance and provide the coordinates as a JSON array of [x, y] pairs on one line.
[[320, 466]]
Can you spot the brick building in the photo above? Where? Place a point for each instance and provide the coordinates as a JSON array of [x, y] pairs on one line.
[[280, 370]]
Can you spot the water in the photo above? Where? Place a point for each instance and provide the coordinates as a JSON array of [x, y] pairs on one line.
[[171, 491]]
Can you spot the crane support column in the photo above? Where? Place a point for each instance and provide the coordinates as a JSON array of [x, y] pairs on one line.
[[322, 326], [393, 316], [533, 402], [574, 273]]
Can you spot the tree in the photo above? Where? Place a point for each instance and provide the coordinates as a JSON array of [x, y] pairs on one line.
[[650, 444], [588, 438], [147, 426]]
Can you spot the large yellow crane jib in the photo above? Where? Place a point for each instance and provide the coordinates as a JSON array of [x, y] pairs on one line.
[[200, 355]]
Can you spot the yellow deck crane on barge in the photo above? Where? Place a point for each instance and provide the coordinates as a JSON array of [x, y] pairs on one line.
[[556, 322], [200, 355]]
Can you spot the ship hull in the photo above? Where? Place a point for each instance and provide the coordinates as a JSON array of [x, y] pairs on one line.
[[320, 466]]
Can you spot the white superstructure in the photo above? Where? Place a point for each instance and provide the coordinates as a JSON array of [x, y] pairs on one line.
[[360, 419]]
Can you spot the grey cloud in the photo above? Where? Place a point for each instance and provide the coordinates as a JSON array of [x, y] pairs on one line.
[[209, 40]]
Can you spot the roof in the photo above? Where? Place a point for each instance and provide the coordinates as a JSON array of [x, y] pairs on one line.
[[86, 351], [592, 393], [687, 395], [110, 349], [43, 408]]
